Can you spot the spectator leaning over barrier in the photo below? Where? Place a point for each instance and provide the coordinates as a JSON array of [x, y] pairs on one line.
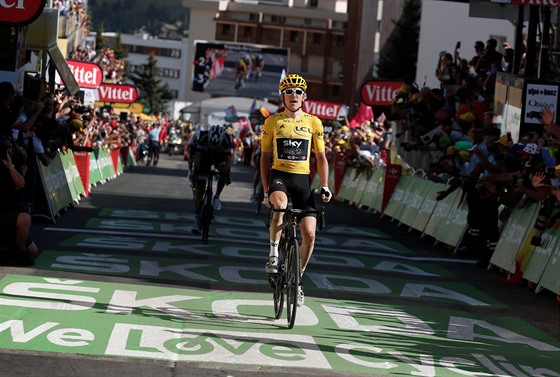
[[16, 246], [482, 203], [10, 117]]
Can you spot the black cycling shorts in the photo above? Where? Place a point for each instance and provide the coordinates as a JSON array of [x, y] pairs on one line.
[[296, 187]]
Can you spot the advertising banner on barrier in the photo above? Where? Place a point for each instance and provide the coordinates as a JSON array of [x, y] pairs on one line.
[[115, 160], [374, 190], [542, 256], [417, 194], [428, 206], [94, 171], [513, 236], [361, 185], [392, 176], [407, 197], [339, 172], [106, 166], [551, 275], [454, 224], [82, 160], [394, 205], [343, 190], [439, 215], [72, 175], [56, 186]]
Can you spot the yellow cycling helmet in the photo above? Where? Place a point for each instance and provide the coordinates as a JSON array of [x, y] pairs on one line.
[[292, 81]]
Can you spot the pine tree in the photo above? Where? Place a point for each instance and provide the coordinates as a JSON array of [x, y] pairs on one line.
[[153, 95], [398, 57], [100, 42], [119, 49]]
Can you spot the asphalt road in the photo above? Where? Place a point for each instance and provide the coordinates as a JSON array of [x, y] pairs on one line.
[[122, 287]]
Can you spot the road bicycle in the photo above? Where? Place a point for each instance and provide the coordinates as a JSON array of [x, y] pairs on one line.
[[207, 212], [285, 283]]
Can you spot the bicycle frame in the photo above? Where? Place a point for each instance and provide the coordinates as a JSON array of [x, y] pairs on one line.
[[287, 280]]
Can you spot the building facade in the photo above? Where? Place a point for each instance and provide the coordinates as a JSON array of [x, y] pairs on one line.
[[171, 58], [334, 44]]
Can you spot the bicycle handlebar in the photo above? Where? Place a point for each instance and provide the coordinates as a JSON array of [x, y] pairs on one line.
[[298, 211]]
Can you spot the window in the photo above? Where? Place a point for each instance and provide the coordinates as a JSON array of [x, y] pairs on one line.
[[252, 16], [226, 29], [278, 19], [313, 3], [340, 40], [294, 36], [170, 52], [317, 37], [248, 31]]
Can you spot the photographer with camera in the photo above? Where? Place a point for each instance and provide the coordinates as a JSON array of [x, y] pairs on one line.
[[16, 246], [10, 116]]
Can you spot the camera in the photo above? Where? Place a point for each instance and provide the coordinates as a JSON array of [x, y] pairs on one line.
[[550, 172], [540, 224]]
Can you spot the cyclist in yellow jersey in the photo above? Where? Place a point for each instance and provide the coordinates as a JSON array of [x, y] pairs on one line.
[[289, 138]]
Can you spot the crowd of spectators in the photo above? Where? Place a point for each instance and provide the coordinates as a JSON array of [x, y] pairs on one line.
[[452, 133], [35, 132]]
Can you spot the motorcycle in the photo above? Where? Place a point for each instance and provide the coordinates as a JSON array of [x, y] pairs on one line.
[[174, 145]]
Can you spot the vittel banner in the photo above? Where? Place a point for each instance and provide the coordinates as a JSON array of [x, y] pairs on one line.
[[87, 75], [325, 110], [19, 12], [117, 93], [379, 93]]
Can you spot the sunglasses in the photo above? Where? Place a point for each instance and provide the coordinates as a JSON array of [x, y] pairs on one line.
[[289, 92]]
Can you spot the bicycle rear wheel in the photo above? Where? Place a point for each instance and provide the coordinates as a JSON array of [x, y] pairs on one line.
[[205, 220], [293, 268]]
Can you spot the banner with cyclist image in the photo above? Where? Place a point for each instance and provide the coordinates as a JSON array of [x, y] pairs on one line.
[[234, 69]]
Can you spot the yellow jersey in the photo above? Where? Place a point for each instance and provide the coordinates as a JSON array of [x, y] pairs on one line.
[[292, 140]]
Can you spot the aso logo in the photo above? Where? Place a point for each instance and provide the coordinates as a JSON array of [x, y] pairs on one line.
[[19, 12]]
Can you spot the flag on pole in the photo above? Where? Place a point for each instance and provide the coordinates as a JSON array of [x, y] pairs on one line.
[[253, 107], [231, 112], [364, 113], [264, 112]]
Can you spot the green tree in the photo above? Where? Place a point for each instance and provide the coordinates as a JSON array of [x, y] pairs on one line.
[[399, 55], [153, 94], [120, 50], [100, 42]]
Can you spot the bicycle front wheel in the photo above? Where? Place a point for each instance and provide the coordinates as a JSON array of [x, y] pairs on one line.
[[278, 293], [293, 268]]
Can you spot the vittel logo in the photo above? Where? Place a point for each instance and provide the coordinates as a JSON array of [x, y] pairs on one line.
[[18, 4], [19, 12], [117, 93]]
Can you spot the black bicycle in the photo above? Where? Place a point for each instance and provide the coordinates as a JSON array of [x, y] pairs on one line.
[[207, 212], [287, 280]]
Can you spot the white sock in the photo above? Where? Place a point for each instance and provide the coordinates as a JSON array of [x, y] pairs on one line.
[[273, 249]]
